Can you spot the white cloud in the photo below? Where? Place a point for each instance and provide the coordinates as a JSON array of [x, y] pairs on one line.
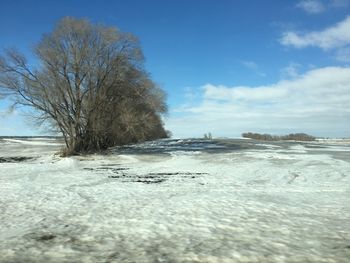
[[291, 71], [254, 67], [311, 6], [339, 3], [250, 65], [336, 36], [242, 93], [189, 93], [316, 102], [343, 54], [319, 6]]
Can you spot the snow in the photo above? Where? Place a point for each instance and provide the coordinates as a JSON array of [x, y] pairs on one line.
[[176, 201], [34, 141]]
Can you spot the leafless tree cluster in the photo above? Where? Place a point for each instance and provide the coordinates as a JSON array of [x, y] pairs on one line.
[[90, 84], [269, 137], [208, 136]]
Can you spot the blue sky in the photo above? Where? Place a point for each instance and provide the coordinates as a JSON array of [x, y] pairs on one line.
[[227, 66]]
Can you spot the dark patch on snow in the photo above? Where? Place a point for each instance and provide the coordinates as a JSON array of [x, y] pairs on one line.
[[312, 146], [293, 177], [177, 173], [146, 179], [41, 237], [154, 178], [106, 168], [120, 169], [15, 159], [119, 176], [45, 237], [342, 247], [110, 164], [150, 181], [122, 174]]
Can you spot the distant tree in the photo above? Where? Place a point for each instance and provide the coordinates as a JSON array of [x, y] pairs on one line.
[[208, 136], [268, 137], [90, 85], [299, 137]]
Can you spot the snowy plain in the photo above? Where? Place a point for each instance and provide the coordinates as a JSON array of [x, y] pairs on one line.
[[176, 201]]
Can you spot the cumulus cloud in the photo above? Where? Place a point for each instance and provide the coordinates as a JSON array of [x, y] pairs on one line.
[[311, 6], [336, 36], [315, 102]]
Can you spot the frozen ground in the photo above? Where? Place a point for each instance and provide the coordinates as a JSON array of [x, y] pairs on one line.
[[176, 201]]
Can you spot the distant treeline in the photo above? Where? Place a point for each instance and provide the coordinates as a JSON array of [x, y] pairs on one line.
[[269, 137]]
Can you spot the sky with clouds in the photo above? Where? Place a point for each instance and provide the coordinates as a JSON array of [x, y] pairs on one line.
[[227, 66]]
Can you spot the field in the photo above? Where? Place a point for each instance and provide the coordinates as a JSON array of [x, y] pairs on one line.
[[176, 201]]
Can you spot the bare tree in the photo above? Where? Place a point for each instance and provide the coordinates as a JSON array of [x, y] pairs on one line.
[[90, 84]]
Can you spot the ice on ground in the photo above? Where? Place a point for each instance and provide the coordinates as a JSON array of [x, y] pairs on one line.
[[35, 141], [30, 147], [176, 201]]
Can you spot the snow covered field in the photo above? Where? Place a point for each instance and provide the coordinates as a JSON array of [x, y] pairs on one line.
[[176, 201]]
